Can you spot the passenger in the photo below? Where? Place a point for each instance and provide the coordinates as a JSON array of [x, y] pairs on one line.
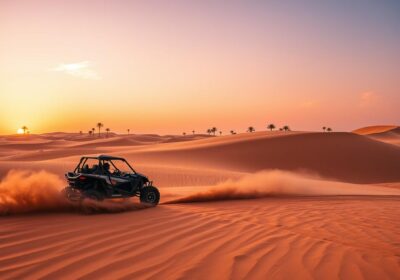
[[95, 169]]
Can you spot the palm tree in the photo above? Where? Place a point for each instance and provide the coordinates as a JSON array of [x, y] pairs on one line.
[[220, 133], [209, 131], [25, 129], [232, 132], [128, 130], [281, 129], [286, 128], [194, 132], [90, 132], [324, 128], [184, 133], [99, 125], [329, 129], [271, 126], [213, 130], [250, 129], [93, 130], [108, 130]]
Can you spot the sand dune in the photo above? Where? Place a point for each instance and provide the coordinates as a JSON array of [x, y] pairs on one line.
[[114, 141], [374, 129], [56, 145], [48, 154], [315, 223], [342, 156], [37, 145], [385, 133], [391, 136]]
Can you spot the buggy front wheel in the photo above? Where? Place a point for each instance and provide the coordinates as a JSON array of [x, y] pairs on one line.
[[150, 195]]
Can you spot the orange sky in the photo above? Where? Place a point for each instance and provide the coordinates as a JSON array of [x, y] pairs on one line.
[[158, 67]]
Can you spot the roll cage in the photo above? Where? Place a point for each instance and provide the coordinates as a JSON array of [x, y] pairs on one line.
[[100, 163]]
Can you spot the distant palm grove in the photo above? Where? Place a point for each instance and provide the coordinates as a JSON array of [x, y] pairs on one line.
[[210, 131]]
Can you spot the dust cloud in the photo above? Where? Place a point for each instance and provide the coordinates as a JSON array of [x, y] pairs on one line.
[[23, 191], [279, 183]]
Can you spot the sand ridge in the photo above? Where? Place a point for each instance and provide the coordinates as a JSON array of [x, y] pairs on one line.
[[375, 129]]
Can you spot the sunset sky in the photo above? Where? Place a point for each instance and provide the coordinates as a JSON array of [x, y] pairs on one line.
[[174, 66]]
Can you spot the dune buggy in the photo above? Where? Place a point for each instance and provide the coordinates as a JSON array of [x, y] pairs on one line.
[[104, 177]]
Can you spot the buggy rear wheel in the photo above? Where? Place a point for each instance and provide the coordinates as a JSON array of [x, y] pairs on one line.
[[150, 195], [72, 194]]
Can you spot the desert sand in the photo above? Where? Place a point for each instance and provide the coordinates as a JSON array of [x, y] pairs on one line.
[[263, 205], [389, 134]]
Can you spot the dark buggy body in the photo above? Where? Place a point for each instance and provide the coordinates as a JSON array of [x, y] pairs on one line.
[[105, 177]]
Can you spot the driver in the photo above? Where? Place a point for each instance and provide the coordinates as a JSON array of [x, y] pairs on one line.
[[106, 168]]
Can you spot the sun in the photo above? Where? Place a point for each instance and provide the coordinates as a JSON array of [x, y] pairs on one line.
[[20, 131]]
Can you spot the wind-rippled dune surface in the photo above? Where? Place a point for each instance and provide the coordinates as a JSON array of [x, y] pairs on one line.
[[322, 237]]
